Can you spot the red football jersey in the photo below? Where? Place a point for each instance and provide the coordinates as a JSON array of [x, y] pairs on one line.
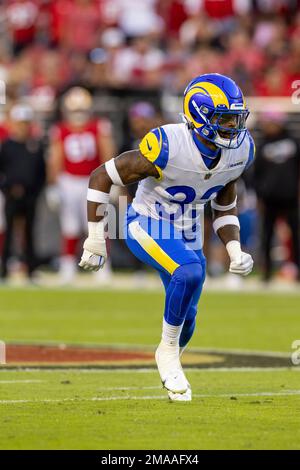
[[80, 148], [4, 133]]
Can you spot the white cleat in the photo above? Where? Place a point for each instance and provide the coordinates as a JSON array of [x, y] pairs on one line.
[[186, 396], [169, 368], [176, 382]]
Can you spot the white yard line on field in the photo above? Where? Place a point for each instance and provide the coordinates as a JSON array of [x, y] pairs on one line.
[[20, 381], [154, 397], [110, 389]]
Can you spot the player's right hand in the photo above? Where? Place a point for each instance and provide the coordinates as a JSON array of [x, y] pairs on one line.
[[240, 262], [242, 265], [94, 255]]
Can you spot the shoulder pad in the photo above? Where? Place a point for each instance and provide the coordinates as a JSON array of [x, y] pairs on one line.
[[155, 147]]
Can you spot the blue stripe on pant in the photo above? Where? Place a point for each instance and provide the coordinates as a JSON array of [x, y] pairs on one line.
[[182, 270]]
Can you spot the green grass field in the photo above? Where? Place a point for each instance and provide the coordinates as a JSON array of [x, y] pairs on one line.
[[122, 409]]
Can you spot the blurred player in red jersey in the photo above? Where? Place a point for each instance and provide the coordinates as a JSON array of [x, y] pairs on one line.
[[78, 145]]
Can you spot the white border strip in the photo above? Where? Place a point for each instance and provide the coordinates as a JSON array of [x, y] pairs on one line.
[[93, 370], [154, 397]]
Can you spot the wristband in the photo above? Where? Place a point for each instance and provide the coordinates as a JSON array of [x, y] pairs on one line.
[[234, 250], [94, 195], [225, 220], [96, 230], [113, 173], [218, 207]]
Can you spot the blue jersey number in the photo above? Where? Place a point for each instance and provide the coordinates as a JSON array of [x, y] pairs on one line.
[[183, 195]]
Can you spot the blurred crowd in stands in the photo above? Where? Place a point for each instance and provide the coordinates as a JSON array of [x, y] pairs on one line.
[[129, 55], [47, 45]]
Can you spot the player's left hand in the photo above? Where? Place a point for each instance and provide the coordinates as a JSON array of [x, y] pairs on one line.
[[242, 265], [91, 262]]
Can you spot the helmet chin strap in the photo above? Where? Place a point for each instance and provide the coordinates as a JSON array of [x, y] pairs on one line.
[[220, 141]]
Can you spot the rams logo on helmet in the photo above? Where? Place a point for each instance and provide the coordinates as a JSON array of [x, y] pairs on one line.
[[216, 108]]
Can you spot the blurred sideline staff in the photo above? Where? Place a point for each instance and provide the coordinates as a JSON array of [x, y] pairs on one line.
[[22, 176], [79, 144], [277, 182], [141, 117]]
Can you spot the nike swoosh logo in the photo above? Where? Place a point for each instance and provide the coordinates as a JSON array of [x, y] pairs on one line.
[[149, 148]]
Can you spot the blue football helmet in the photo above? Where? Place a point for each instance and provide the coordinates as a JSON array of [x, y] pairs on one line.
[[215, 107]]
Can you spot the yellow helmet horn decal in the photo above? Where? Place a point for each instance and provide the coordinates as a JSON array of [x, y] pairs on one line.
[[210, 89], [195, 89]]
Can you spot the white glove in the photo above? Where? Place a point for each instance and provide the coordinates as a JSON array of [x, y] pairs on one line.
[[240, 262], [94, 248]]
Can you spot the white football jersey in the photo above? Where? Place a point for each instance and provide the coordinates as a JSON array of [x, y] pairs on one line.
[[185, 182]]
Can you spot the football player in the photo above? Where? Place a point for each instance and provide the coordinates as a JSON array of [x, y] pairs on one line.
[[78, 145], [180, 168]]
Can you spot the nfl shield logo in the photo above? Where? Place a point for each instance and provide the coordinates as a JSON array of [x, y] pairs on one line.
[[207, 176]]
